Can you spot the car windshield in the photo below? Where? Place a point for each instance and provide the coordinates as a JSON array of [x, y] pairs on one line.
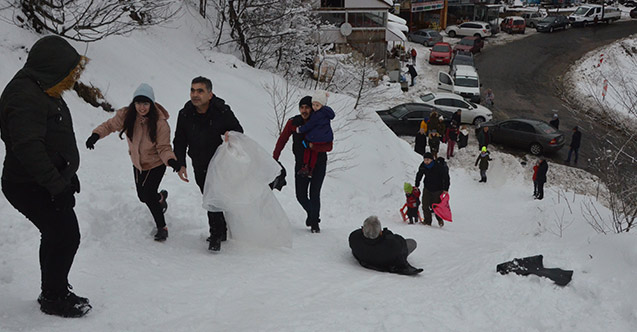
[[580, 11], [463, 60], [549, 19], [440, 48], [468, 42], [467, 82], [545, 128], [427, 97], [398, 111]]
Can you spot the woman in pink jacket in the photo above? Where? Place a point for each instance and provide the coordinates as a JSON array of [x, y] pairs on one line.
[[144, 122]]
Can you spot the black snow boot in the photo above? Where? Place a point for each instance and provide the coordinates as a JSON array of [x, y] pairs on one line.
[[214, 243], [69, 305], [162, 234]]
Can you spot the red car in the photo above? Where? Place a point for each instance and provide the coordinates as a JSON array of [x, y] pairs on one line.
[[469, 44], [440, 53]]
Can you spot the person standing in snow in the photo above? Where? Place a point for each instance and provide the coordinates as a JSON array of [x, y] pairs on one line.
[[413, 57], [308, 190], [535, 185], [144, 122], [434, 143], [412, 73], [436, 183], [484, 137], [39, 176], [489, 98], [457, 117], [413, 201], [463, 137], [452, 137], [483, 159], [555, 122], [202, 122], [575, 143], [379, 249], [542, 169], [318, 132]]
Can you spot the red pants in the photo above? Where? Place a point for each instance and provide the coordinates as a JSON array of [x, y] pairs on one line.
[[310, 156]]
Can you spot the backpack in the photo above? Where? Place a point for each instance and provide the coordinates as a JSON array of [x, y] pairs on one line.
[[441, 161]]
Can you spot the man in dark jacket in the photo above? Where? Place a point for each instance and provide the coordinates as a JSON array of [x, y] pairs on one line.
[[436, 182], [311, 204], [39, 176], [412, 73], [380, 249], [541, 178], [555, 122], [200, 125], [484, 137], [575, 142]]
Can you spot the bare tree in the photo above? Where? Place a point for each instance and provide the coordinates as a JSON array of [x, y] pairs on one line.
[[283, 100], [90, 20]]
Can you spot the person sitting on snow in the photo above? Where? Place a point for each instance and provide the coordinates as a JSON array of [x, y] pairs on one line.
[[318, 132], [379, 249], [413, 202]]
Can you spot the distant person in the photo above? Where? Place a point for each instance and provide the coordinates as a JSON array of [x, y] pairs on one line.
[[308, 190], [413, 56], [39, 178], [145, 124], [452, 138], [555, 122], [442, 128], [463, 137], [484, 137], [413, 202], [542, 169], [318, 132], [379, 249], [435, 183], [575, 143], [535, 184], [202, 122], [434, 143], [412, 73], [432, 124], [420, 142], [489, 98], [457, 116], [483, 159]]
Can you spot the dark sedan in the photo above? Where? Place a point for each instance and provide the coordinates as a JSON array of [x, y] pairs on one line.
[[469, 44], [532, 135], [405, 119], [552, 23]]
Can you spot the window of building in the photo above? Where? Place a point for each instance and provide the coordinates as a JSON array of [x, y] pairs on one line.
[[332, 18], [332, 3], [366, 20]]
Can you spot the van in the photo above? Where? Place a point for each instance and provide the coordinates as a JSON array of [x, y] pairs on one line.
[[462, 80], [513, 24], [593, 14]]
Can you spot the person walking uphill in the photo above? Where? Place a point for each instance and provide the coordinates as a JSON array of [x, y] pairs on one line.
[[575, 143], [318, 132], [303, 185], [144, 122], [483, 159], [436, 182], [39, 176], [200, 125]]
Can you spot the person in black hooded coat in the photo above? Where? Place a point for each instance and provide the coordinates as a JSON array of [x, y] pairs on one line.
[[39, 175]]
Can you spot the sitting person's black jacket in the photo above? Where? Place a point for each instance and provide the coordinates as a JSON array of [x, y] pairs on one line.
[[387, 253]]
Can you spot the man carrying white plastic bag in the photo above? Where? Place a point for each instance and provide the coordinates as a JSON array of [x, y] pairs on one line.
[[237, 184]]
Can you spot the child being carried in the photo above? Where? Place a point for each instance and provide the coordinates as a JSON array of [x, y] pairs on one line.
[[318, 132]]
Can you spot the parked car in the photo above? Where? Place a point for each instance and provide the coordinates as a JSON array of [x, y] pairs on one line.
[[427, 37], [513, 24], [533, 135], [551, 23], [462, 80], [630, 3], [532, 19], [469, 44], [462, 58], [633, 13], [440, 53], [404, 119], [451, 102], [477, 29]]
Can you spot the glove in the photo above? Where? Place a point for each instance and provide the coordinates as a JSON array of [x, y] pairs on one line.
[[174, 164], [75, 183], [64, 200], [297, 121], [90, 142]]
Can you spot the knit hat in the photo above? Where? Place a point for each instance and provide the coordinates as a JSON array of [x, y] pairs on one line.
[[145, 90], [408, 188], [320, 96], [427, 155], [484, 149], [307, 101], [554, 115]]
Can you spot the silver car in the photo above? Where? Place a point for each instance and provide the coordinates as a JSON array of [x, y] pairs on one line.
[[532, 19], [425, 37]]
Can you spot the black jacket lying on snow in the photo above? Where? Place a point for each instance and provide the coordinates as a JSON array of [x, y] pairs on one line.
[[36, 128]]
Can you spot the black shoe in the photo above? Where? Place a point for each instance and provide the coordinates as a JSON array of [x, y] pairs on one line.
[[315, 228], [214, 243], [162, 234], [162, 201], [71, 295], [307, 222], [69, 305]]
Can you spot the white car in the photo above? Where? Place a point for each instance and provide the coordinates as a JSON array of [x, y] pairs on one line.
[[463, 80], [477, 29], [471, 113]]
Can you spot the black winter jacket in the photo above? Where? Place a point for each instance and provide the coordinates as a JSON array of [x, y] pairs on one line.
[[436, 177], [541, 172], [420, 145], [37, 129], [201, 134], [576, 139], [387, 253]]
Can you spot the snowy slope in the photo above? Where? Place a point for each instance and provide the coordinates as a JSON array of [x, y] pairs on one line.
[[136, 284]]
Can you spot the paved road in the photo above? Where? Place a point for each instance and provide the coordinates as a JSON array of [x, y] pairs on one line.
[[525, 78]]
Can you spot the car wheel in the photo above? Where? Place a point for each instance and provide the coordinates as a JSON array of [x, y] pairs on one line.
[[532, 25], [536, 149], [452, 33], [477, 121], [477, 35]]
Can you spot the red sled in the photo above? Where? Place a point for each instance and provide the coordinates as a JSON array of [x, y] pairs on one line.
[[403, 214], [442, 209]]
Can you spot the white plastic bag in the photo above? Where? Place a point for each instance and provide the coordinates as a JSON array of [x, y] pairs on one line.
[[237, 184]]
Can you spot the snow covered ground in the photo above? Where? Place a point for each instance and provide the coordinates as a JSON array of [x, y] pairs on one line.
[[137, 284]]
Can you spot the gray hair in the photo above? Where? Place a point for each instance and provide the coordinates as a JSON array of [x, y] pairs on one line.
[[371, 227]]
